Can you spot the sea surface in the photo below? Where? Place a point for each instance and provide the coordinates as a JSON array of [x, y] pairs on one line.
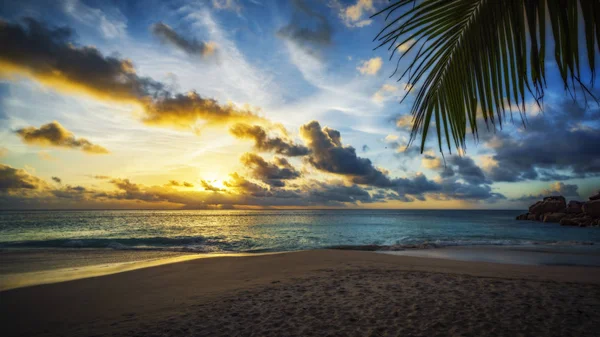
[[237, 231]]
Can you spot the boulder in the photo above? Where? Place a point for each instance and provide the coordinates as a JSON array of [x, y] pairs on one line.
[[554, 204], [584, 221], [522, 216], [554, 217], [574, 207], [592, 208], [595, 196], [569, 222]]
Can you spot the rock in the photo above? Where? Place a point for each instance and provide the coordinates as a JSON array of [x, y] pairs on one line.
[[592, 208], [522, 216], [531, 216], [554, 217], [584, 221], [574, 207], [554, 204], [569, 222], [595, 196]]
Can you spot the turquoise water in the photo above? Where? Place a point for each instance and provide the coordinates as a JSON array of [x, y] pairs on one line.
[[260, 231]]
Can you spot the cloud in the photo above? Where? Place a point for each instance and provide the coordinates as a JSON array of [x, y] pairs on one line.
[[21, 190], [49, 56], [390, 138], [404, 122], [384, 93], [209, 187], [405, 46], [467, 181], [558, 144], [3, 151], [322, 192], [431, 162], [54, 134], [231, 5], [57, 180], [371, 66], [569, 191], [12, 178], [245, 186], [185, 110], [263, 142], [190, 46], [274, 173], [111, 24], [180, 184], [328, 154], [356, 15], [299, 32], [466, 168]]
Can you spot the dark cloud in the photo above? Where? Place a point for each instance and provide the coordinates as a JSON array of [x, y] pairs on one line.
[[50, 56], [21, 190], [245, 186], [557, 145], [569, 191], [365, 148], [466, 168], [274, 173], [330, 155], [70, 192], [57, 179], [263, 142], [54, 134], [191, 46], [321, 192], [308, 28], [12, 178]]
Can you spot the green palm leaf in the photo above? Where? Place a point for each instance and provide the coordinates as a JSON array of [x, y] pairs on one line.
[[485, 57]]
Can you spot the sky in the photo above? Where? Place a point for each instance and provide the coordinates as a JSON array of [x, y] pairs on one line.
[[250, 104]]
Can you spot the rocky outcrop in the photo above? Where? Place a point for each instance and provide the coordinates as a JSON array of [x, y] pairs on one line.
[[595, 196], [549, 205], [554, 217], [592, 208], [574, 207], [555, 209]]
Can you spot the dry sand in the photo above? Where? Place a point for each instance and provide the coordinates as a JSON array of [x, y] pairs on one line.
[[314, 293]]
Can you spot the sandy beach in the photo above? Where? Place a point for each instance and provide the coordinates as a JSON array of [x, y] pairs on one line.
[[313, 293]]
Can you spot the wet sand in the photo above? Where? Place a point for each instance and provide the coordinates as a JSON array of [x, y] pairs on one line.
[[314, 293]]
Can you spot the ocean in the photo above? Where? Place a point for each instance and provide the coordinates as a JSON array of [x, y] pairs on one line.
[[241, 231]]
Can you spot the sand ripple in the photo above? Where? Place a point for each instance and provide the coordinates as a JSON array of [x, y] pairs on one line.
[[378, 302]]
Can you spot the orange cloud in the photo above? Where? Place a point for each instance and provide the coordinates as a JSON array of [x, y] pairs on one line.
[[49, 56], [54, 134]]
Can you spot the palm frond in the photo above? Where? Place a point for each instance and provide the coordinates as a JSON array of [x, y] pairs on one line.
[[485, 57]]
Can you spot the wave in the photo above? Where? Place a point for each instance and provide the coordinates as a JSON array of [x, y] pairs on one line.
[[191, 244], [458, 243], [222, 244]]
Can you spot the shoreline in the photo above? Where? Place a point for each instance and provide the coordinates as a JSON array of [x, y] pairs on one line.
[[311, 290], [20, 267]]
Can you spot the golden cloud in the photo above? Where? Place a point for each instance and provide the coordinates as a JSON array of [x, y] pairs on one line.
[[49, 56], [54, 134]]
